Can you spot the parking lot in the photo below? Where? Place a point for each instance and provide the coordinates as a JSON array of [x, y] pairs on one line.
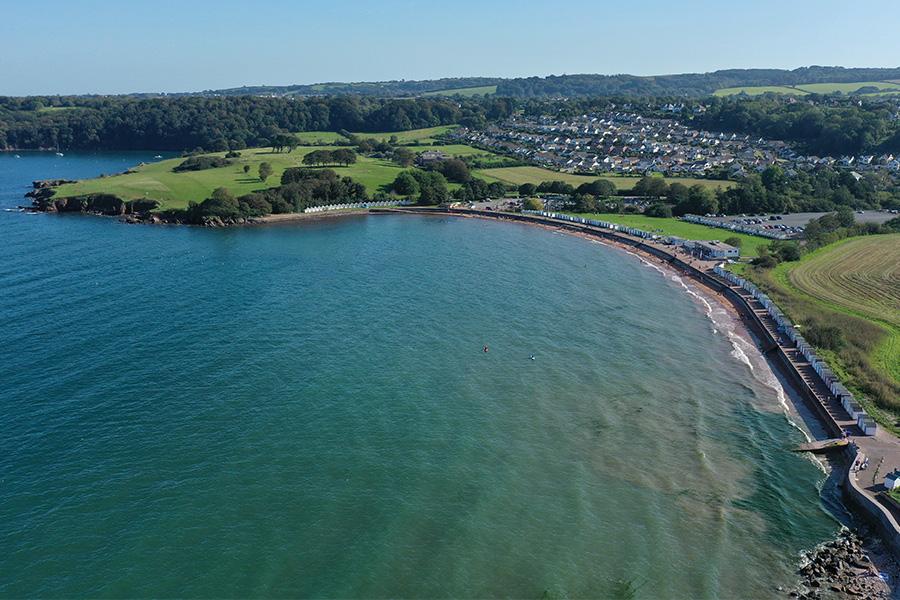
[[793, 224]]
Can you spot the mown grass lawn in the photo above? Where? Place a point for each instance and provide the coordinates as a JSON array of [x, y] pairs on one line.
[[157, 181], [750, 244], [535, 175]]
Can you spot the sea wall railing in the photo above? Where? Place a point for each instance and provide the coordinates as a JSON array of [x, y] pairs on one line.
[[357, 205], [775, 235], [789, 330]]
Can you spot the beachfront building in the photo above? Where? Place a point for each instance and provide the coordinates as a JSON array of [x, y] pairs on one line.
[[866, 424], [892, 480], [715, 250]]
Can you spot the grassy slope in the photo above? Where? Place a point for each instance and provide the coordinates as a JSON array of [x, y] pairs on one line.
[[469, 91], [422, 136], [175, 190], [806, 88], [757, 90], [520, 175], [692, 231], [827, 88], [849, 285]]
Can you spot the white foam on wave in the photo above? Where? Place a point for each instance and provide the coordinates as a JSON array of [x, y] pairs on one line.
[[742, 350]]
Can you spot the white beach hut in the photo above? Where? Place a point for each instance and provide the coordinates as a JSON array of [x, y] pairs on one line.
[[892, 479]]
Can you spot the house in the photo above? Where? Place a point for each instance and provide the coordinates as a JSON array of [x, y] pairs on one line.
[[429, 157], [892, 480]]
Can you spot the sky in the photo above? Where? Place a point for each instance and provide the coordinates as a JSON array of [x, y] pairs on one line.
[[112, 47]]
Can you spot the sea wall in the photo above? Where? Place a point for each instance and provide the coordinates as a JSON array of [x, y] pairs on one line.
[[872, 511]]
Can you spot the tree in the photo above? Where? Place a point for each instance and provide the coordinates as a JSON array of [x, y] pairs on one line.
[[586, 203], [734, 241], [265, 171], [532, 204], [405, 184], [700, 200], [403, 156], [527, 189], [221, 204], [318, 157], [659, 210], [344, 156], [651, 186], [432, 187], [284, 140], [454, 170], [246, 169], [599, 188]]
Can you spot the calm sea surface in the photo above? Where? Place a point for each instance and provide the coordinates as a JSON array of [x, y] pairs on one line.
[[306, 410]]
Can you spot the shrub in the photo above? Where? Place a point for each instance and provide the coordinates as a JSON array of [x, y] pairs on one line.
[[533, 204], [200, 163], [659, 210]]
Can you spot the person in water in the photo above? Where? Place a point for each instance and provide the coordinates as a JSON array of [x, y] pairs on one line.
[[485, 349]]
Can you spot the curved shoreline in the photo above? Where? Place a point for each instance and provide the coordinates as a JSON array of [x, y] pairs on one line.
[[867, 508]]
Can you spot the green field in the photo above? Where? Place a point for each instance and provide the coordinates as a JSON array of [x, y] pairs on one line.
[[469, 91], [884, 87], [757, 90], [853, 285], [157, 181], [421, 136], [319, 138], [520, 175], [691, 231], [848, 88]]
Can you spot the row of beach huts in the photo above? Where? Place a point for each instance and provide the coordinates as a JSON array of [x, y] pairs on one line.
[[357, 205], [593, 223], [864, 421]]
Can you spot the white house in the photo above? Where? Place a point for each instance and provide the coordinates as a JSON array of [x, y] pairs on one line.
[[892, 479]]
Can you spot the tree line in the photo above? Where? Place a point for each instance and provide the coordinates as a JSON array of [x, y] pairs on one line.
[[219, 123]]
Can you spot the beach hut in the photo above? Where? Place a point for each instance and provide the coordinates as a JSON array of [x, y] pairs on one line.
[[855, 410], [866, 424], [892, 479]]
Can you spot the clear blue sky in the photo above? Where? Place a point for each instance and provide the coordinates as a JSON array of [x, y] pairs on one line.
[[105, 46]]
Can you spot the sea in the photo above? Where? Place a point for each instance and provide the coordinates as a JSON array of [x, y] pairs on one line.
[[378, 406]]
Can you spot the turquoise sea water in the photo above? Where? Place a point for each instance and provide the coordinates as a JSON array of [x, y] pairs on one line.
[[306, 410]]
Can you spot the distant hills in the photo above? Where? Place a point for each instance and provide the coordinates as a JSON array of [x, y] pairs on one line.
[[685, 84]]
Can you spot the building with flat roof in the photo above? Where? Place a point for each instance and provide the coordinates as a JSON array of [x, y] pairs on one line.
[[715, 249]]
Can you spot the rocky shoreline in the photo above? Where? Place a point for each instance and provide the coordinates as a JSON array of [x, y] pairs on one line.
[[841, 568], [43, 199]]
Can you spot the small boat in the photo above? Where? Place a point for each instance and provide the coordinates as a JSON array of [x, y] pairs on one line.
[[158, 156], [60, 154], [17, 156]]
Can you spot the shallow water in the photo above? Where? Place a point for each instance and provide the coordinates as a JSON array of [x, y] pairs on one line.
[[306, 410]]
